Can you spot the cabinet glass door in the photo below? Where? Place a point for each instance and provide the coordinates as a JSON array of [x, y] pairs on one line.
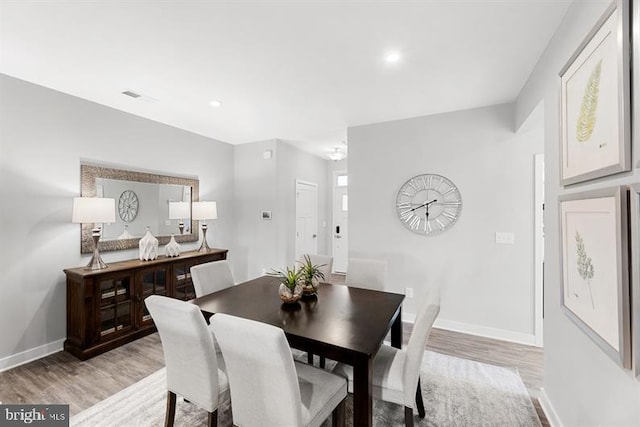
[[116, 305], [152, 281], [184, 286]]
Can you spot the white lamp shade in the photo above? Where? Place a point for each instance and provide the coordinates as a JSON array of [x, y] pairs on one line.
[[89, 210], [204, 210], [179, 210]]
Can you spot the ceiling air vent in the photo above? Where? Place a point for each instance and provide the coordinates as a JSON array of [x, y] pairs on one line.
[[131, 94], [139, 96]]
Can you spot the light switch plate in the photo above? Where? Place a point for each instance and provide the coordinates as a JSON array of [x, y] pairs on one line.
[[505, 238]]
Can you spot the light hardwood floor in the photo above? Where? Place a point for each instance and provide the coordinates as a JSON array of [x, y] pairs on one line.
[[61, 378]]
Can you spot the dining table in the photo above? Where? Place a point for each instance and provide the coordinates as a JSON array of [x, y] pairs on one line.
[[342, 323]]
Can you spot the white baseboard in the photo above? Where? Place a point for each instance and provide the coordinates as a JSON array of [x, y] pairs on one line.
[[27, 356], [548, 409], [481, 331]]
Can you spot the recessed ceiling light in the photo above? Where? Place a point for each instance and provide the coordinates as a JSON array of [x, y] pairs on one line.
[[215, 103], [392, 57]]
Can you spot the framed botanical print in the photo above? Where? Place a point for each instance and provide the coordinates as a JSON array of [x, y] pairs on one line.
[[595, 101], [595, 268], [634, 211]]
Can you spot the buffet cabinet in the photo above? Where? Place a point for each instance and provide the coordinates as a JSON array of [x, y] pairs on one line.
[[105, 308]]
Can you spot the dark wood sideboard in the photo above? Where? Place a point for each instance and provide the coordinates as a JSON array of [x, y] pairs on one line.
[[105, 308]]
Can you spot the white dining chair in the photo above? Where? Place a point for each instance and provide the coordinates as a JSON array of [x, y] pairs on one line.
[[366, 273], [325, 263], [396, 372], [211, 277], [267, 387], [193, 370]]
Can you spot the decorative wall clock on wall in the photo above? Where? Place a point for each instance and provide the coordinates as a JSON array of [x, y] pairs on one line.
[[428, 204], [128, 206]]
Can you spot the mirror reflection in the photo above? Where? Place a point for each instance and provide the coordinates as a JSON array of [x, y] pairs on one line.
[[160, 202], [142, 204]]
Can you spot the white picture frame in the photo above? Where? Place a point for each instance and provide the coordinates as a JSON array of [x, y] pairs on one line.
[[594, 267], [595, 101], [634, 212]]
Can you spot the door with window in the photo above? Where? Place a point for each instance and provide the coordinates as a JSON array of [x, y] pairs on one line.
[[340, 221]]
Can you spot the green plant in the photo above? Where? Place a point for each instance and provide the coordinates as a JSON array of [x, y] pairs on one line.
[[585, 267], [289, 276], [309, 271]]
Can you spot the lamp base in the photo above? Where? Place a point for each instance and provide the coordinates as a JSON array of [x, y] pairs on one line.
[[96, 262], [204, 247]]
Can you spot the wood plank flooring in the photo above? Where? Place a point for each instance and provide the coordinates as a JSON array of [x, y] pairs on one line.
[[61, 378]]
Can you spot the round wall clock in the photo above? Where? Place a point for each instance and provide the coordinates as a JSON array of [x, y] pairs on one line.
[[428, 204], [128, 205]]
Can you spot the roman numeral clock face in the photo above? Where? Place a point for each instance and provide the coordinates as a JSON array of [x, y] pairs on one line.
[[428, 204]]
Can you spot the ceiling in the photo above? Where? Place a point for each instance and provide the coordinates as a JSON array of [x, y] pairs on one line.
[[301, 71]]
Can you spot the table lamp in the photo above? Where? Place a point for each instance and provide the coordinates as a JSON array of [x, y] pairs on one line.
[[203, 211], [179, 211], [94, 210]]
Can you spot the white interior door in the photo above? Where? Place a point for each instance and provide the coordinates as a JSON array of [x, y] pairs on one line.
[[340, 231], [306, 218]]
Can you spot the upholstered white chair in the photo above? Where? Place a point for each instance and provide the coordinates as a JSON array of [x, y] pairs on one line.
[[396, 373], [211, 277], [366, 273], [267, 387], [325, 262], [192, 367]]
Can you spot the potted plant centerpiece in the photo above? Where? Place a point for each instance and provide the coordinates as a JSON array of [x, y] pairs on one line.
[[290, 289], [311, 276]]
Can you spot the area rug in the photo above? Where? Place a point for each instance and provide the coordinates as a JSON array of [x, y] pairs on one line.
[[456, 392]]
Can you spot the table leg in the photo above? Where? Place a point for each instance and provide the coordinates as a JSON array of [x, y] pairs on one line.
[[362, 392], [396, 330]]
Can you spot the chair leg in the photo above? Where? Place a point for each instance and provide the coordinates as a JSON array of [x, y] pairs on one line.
[[213, 419], [337, 417], [310, 358], [419, 402], [322, 361], [171, 409], [408, 416]]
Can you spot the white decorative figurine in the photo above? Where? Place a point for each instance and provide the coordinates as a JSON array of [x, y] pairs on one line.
[[148, 247], [173, 248]]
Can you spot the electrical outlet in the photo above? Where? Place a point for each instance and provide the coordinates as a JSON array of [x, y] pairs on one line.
[[167, 223], [408, 292]]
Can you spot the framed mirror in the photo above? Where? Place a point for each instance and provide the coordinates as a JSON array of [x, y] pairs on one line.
[[142, 200]]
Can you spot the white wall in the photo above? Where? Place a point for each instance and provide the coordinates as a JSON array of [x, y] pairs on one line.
[[43, 136], [269, 184], [583, 385], [255, 191], [486, 288]]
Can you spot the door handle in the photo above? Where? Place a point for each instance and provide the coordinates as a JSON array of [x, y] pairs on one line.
[[314, 236]]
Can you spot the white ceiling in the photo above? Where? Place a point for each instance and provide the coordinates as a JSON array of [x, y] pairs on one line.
[[301, 71]]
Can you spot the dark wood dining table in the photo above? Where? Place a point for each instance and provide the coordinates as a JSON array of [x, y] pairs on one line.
[[341, 323]]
